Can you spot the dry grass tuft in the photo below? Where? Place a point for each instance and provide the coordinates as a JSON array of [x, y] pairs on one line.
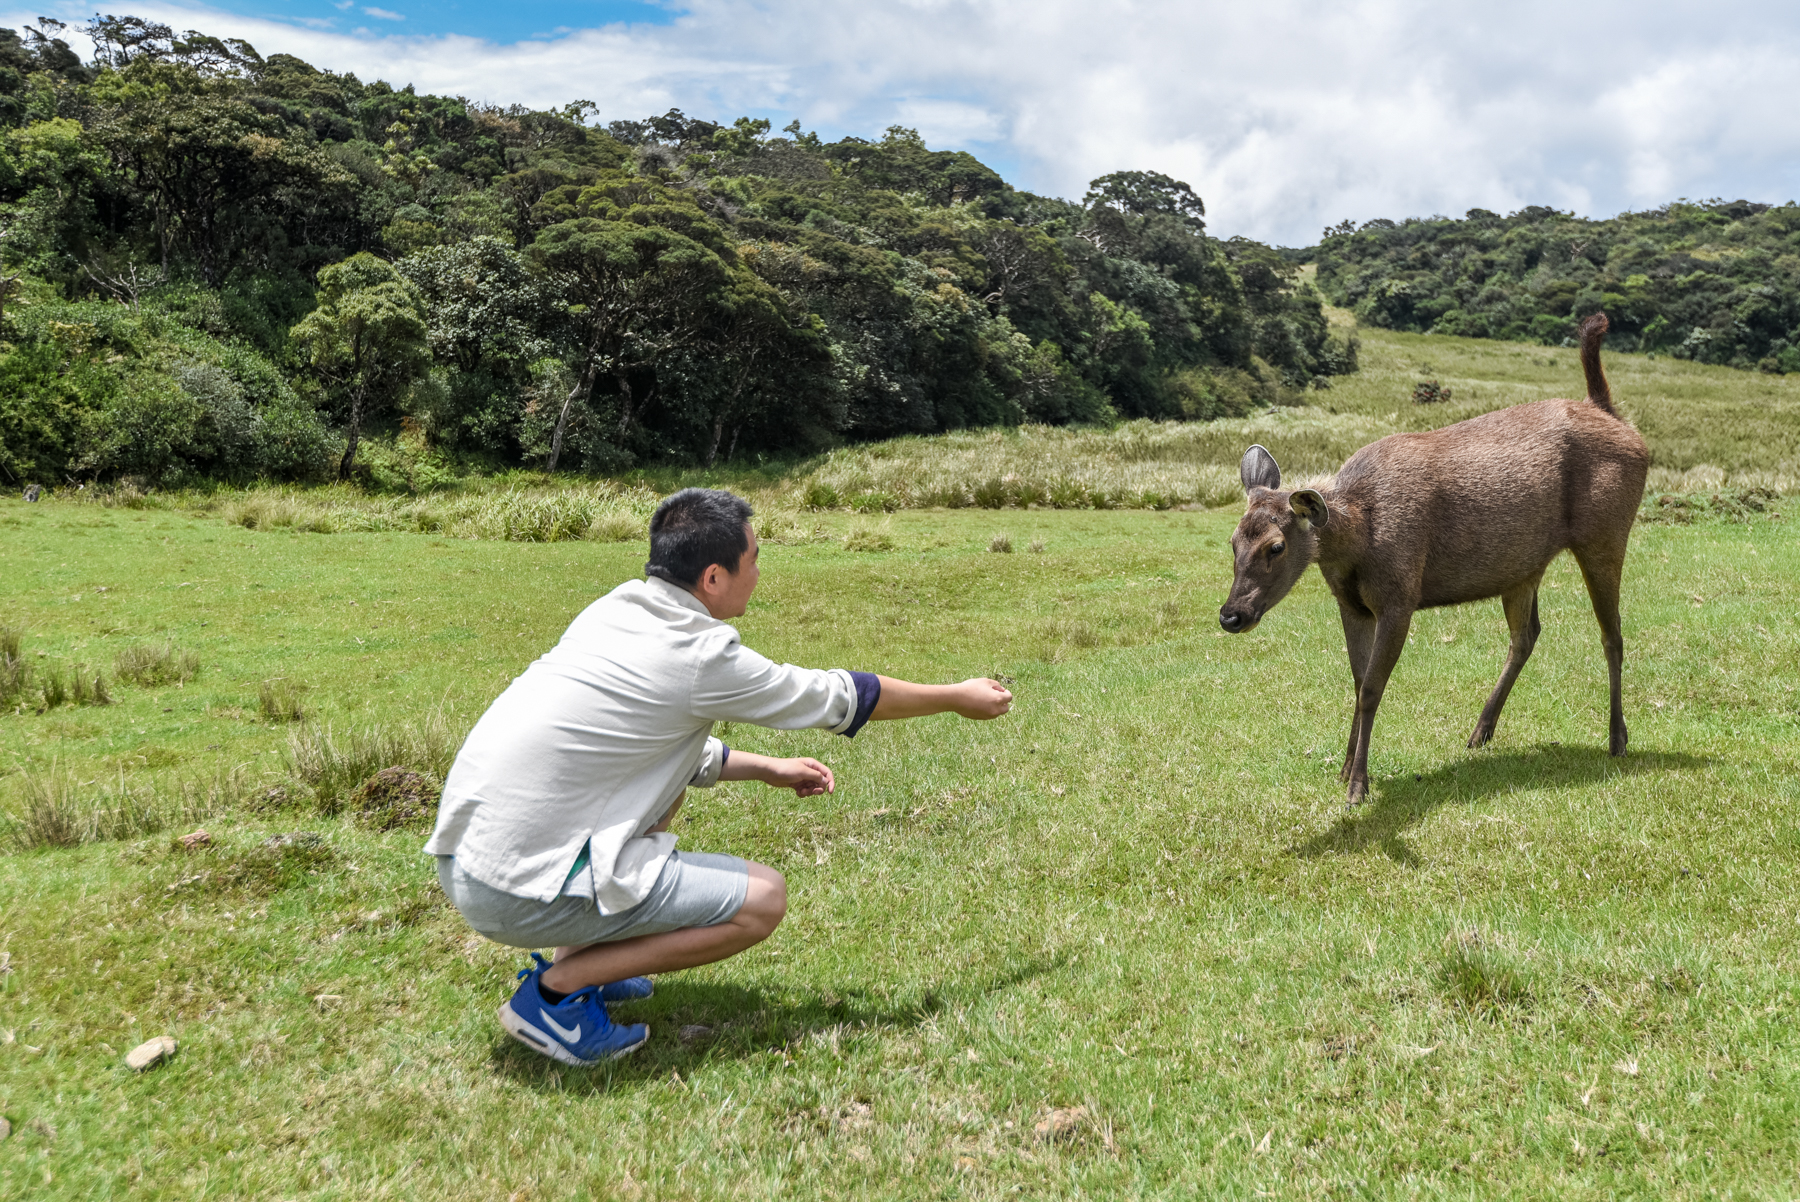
[[395, 798], [597, 511], [153, 667], [1001, 543], [334, 765], [278, 700], [1138, 465], [56, 810], [15, 673], [868, 538]]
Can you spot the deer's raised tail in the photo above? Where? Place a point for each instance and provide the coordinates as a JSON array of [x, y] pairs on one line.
[[1593, 332]]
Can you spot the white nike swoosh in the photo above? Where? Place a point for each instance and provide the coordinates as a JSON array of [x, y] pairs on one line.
[[567, 1035]]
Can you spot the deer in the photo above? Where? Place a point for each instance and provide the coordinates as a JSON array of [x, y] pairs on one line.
[[1470, 511]]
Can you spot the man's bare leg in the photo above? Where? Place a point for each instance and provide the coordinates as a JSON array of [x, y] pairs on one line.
[[765, 904]]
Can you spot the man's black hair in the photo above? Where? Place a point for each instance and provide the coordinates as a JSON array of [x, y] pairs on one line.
[[694, 529]]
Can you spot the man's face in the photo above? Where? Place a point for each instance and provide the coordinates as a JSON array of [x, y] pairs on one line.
[[727, 594]]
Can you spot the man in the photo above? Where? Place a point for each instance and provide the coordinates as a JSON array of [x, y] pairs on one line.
[[553, 826]]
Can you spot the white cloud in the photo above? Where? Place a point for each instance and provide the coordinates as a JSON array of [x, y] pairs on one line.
[[1285, 115], [383, 14]]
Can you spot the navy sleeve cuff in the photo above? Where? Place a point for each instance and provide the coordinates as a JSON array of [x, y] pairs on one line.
[[868, 692], [724, 758]]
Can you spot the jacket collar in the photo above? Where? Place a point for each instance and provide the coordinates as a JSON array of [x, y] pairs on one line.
[[676, 595]]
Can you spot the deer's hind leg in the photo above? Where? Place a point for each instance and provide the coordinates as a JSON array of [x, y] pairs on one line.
[[1520, 604], [1601, 567]]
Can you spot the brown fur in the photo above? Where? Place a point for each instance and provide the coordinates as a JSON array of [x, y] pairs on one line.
[[1474, 510]]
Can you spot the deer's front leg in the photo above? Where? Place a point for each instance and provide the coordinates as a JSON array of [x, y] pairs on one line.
[[1389, 641], [1359, 638]]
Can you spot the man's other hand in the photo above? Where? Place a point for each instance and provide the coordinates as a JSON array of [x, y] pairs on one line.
[[806, 776]]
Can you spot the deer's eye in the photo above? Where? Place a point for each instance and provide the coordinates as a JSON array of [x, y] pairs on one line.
[[1276, 549]]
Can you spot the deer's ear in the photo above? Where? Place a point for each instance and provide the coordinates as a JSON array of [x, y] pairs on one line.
[[1310, 504], [1259, 469]]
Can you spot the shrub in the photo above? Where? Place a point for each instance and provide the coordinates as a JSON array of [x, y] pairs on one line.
[[819, 495], [1429, 392], [1001, 543], [874, 502]]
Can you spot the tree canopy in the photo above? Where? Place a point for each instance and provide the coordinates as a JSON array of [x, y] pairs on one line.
[[259, 241], [1714, 281]]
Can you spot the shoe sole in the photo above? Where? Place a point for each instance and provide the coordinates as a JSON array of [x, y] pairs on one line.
[[541, 1043]]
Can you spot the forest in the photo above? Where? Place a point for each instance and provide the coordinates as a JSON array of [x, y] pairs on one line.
[[220, 266], [1712, 281]]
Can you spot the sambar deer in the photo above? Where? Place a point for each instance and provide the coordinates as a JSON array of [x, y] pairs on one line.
[[1474, 510]]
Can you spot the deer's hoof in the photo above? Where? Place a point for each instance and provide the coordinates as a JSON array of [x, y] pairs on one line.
[[1620, 737], [1357, 791]]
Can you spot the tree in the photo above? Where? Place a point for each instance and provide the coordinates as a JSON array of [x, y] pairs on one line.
[[637, 279], [367, 339]]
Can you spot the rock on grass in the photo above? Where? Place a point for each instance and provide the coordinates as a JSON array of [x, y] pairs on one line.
[[150, 1052]]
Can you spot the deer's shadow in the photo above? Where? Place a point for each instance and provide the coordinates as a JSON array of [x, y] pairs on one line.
[[694, 1022], [1403, 802]]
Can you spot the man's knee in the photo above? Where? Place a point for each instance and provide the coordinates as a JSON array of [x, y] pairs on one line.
[[765, 900]]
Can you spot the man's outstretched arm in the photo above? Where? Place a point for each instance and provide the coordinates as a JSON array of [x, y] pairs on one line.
[[979, 698]]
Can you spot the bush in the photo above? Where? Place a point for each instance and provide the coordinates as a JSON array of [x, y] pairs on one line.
[[1429, 392]]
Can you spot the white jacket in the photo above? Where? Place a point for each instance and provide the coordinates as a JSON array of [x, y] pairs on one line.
[[595, 741]]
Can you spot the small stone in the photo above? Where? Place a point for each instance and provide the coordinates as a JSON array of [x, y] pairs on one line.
[[1062, 1124], [694, 1033], [5, 1130], [196, 840], [150, 1052]]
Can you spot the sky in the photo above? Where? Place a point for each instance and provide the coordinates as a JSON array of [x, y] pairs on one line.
[[1285, 116]]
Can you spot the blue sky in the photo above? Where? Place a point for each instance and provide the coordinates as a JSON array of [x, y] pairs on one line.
[[1285, 115], [510, 22]]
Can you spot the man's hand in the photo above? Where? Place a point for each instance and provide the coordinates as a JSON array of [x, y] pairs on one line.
[[980, 698], [806, 776]]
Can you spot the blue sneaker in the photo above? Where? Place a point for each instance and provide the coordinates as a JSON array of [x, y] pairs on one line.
[[575, 1031], [631, 989]]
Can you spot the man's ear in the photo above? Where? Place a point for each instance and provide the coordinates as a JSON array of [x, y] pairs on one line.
[[1309, 504], [1259, 469]]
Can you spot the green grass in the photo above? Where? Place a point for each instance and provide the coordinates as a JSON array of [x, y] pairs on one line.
[[1137, 903]]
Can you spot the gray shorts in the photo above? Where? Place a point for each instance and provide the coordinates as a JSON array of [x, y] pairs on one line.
[[695, 889]]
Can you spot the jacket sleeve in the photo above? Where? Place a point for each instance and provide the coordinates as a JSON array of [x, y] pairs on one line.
[[738, 685]]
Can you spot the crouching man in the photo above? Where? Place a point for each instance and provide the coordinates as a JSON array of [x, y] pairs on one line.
[[553, 829]]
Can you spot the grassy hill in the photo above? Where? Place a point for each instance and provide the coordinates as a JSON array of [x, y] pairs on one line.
[[1125, 941]]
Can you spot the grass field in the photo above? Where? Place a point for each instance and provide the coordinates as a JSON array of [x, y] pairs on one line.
[[1125, 942]]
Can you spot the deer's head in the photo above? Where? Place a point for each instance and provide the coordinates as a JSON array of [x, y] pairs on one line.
[[1273, 542]]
